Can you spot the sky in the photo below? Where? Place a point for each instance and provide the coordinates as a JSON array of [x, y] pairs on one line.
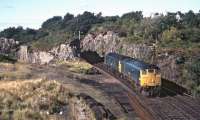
[[32, 13]]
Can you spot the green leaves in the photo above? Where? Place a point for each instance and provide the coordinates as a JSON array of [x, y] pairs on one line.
[[175, 29], [137, 16]]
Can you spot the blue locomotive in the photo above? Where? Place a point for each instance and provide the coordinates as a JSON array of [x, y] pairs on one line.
[[145, 77]]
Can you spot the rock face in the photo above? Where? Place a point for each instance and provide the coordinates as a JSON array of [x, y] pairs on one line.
[[104, 43], [62, 52], [169, 68], [23, 54], [101, 43], [110, 42], [6, 45]]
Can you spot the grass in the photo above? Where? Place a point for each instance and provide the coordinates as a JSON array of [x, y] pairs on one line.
[[14, 71], [77, 66], [31, 99]]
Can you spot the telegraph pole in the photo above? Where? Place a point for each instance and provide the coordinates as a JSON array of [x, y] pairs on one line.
[[154, 50], [79, 41], [79, 35]]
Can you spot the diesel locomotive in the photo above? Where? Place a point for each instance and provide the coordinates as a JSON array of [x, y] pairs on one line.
[[146, 78]]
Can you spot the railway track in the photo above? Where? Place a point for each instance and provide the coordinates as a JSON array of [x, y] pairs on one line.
[[176, 107], [120, 95], [112, 88], [132, 104]]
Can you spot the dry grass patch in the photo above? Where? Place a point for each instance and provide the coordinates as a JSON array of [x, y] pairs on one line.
[[14, 71], [77, 66], [32, 99]]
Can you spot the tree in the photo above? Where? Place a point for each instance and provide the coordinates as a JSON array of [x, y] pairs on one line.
[[137, 16], [189, 19], [170, 19], [111, 18], [191, 35], [170, 35], [11, 31], [68, 17], [52, 23]]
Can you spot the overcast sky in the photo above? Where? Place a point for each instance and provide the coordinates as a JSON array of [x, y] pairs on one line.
[[31, 13]]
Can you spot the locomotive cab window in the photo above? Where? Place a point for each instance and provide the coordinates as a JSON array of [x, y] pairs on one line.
[[151, 70], [144, 72]]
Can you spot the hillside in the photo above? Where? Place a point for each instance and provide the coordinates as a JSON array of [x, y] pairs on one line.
[[176, 36], [170, 30]]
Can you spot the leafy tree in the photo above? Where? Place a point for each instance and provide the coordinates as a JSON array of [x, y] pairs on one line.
[[111, 18], [10, 32], [68, 17], [189, 19], [66, 21], [170, 35], [52, 23], [191, 35], [23, 35], [137, 16]]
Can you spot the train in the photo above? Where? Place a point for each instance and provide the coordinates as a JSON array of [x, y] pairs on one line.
[[146, 78]]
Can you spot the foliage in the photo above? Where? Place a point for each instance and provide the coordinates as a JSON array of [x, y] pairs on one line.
[[53, 39], [191, 35], [80, 66], [25, 103], [55, 30], [52, 23], [170, 36], [173, 30], [22, 35], [193, 75], [137, 16], [132, 25], [7, 59]]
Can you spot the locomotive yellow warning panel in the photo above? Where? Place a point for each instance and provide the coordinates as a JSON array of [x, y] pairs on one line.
[[149, 78]]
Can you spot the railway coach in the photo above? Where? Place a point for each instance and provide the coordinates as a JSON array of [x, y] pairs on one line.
[[145, 77]]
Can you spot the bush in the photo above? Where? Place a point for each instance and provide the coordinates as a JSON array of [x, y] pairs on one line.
[[7, 59], [5, 115], [27, 114], [192, 77]]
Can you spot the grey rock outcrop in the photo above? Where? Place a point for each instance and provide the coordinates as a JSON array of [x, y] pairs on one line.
[[6, 45], [103, 43], [111, 42], [23, 54], [62, 52], [169, 67]]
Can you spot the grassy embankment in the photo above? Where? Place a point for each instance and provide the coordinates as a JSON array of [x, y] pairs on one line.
[[31, 100]]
